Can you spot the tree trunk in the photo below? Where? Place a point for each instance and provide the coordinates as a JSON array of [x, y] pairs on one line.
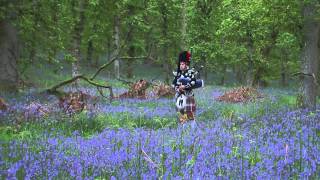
[[54, 48], [250, 70], [9, 54], [131, 53], [32, 49], [318, 77], [166, 65], [117, 45], [261, 69], [77, 37], [131, 50], [110, 44], [166, 61], [309, 56], [90, 52], [36, 25], [205, 69], [205, 74], [148, 36], [183, 26], [91, 48], [224, 74], [284, 80], [240, 76], [257, 80]]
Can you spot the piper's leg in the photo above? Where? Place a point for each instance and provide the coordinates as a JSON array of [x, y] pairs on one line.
[[191, 119], [183, 117], [190, 116]]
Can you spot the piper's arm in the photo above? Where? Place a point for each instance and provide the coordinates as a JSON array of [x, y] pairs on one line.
[[192, 76], [175, 84]]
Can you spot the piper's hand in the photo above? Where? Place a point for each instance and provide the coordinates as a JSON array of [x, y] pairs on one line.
[[181, 88]]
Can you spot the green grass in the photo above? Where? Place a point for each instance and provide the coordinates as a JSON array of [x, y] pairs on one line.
[[80, 123]]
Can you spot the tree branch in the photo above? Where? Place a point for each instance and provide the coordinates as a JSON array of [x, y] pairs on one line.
[[103, 66], [115, 58], [141, 57], [53, 90], [301, 74]]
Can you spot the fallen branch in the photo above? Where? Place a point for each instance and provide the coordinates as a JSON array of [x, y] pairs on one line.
[[101, 93], [103, 67], [301, 74], [125, 81], [74, 79], [54, 90], [112, 60], [115, 57]]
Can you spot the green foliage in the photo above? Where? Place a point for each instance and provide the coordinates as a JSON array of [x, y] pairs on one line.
[[86, 126], [219, 32]]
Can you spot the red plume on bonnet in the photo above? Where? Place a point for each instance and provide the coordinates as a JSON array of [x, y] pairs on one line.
[[185, 56]]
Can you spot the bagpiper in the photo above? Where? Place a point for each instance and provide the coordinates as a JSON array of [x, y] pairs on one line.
[[184, 82]]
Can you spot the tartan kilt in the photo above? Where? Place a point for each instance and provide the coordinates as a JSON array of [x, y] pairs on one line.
[[190, 105]]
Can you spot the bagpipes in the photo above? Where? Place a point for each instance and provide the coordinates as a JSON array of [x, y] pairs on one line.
[[184, 81]]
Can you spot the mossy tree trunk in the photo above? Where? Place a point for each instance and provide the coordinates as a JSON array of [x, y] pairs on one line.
[[9, 54], [310, 56]]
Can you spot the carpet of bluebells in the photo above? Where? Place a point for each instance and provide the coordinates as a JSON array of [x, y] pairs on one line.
[[258, 140]]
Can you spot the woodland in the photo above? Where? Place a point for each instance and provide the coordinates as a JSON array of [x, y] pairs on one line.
[[85, 89]]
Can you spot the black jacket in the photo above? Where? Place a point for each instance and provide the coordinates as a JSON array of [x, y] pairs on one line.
[[190, 74]]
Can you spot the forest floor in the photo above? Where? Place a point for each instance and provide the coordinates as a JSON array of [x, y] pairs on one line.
[[141, 138]]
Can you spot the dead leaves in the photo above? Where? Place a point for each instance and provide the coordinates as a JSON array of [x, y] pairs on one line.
[[162, 90], [241, 94], [3, 105], [137, 90], [75, 102]]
